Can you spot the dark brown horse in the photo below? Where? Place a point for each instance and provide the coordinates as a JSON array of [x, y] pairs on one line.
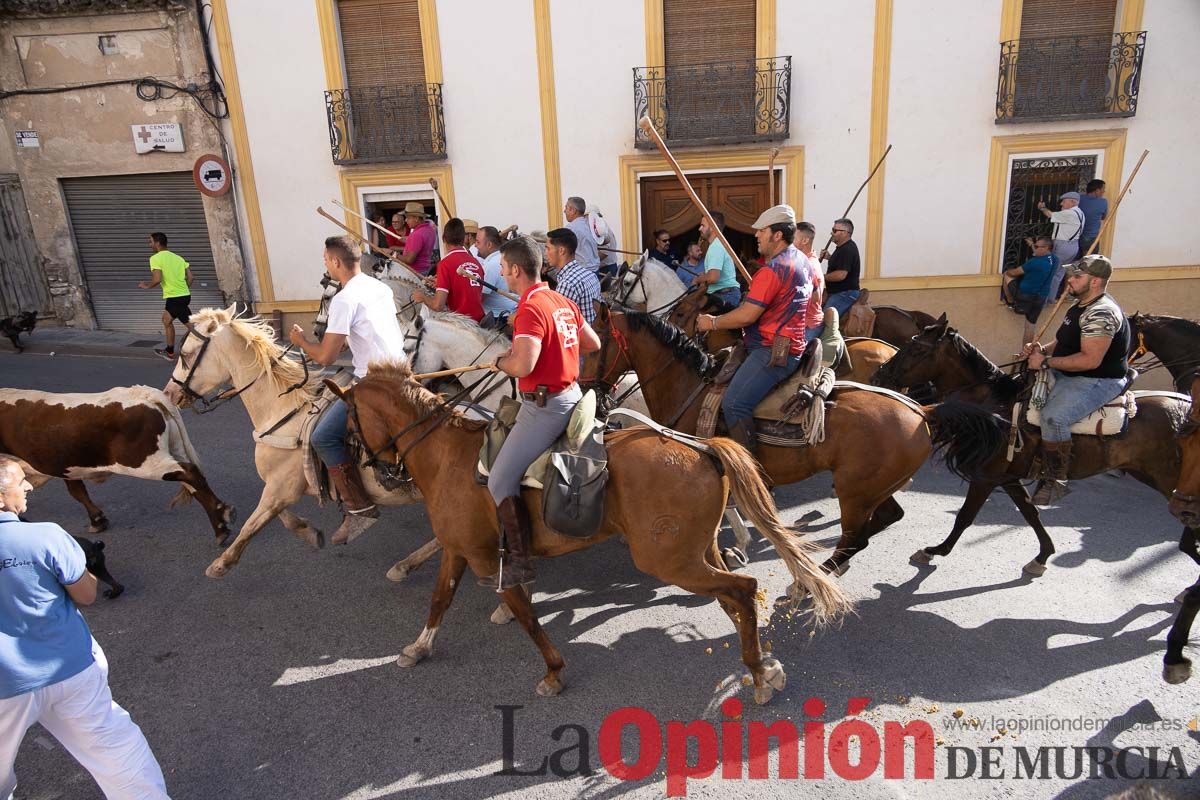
[[974, 441], [897, 325], [667, 516], [873, 443], [1185, 504], [1173, 341]]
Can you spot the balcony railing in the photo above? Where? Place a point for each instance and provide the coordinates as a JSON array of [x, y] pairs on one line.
[[1072, 77], [716, 103], [386, 123]]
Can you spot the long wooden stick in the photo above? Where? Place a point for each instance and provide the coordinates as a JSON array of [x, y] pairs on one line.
[[445, 206], [854, 200], [364, 240], [1103, 227], [771, 176], [463, 271], [364, 219], [615, 250], [648, 127], [424, 376]]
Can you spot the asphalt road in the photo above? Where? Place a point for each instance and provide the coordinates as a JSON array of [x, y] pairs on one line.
[[279, 680]]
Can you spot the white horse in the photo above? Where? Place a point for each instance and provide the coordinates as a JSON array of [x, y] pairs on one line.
[[652, 282]]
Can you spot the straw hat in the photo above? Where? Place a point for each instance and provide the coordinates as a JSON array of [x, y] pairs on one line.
[[415, 209]]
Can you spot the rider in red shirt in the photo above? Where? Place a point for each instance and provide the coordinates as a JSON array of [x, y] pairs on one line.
[[455, 292], [549, 333]]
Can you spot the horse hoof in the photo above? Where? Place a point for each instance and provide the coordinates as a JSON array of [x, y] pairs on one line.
[[1034, 568], [315, 538], [398, 572], [550, 687], [1177, 673], [114, 592], [411, 656], [921, 557], [502, 615], [841, 569], [216, 570], [99, 525], [734, 557], [763, 695], [773, 674]]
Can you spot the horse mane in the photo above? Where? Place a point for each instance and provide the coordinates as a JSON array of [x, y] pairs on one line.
[[399, 376], [1180, 324], [459, 321], [980, 364], [268, 355], [682, 346]]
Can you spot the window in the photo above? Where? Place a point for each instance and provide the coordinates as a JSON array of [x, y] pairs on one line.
[[1035, 180]]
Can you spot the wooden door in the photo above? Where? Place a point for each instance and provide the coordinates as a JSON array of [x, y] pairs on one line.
[[22, 282]]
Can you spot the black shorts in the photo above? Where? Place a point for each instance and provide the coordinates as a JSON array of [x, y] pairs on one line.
[[1031, 306], [177, 307]]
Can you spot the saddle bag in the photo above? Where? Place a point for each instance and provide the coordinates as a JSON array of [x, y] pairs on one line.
[[573, 486], [860, 319]]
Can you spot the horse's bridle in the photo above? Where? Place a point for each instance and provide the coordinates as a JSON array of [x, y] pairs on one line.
[[202, 404]]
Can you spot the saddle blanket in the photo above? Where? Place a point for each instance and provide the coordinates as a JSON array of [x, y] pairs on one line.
[[771, 408]]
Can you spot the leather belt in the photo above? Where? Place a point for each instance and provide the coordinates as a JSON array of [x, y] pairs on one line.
[[533, 396]]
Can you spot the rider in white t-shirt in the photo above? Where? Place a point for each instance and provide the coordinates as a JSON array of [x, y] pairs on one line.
[[362, 315]]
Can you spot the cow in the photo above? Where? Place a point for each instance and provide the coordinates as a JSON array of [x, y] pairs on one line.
[[132, 430]]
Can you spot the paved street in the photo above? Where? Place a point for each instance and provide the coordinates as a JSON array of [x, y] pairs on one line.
[[279, 681]]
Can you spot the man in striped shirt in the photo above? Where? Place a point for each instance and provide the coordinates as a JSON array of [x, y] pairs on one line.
[[575, 281]]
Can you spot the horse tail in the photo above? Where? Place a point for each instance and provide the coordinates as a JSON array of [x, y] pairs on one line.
[[753, 498], [966, 436]]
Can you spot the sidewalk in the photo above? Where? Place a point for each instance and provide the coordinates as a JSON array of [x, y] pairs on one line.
[[74, 341]]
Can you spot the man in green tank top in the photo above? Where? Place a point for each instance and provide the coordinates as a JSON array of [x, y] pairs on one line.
[[174, 275]]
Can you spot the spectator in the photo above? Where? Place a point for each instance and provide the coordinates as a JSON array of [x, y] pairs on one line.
[[51, 669], [575, 282], [455, 292], [662, 251], [814, 316], [1068, 225], [472, 230], [1029, 284], [692, 266], [1095, 209], [175, 276], [421, 239], [720, 274], [397, 232], [489, 247], [586, 252], [606, 240], [842, 276]]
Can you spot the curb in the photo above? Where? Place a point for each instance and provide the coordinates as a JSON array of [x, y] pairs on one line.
[[83, 348]]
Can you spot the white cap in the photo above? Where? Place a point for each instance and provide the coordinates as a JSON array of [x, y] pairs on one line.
[[774, 216]]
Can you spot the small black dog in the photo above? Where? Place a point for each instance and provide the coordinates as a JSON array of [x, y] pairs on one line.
[[94, 550], [13, 327]]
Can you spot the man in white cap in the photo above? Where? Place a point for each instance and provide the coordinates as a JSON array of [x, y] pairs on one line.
[[773, 315], [1068, 226]]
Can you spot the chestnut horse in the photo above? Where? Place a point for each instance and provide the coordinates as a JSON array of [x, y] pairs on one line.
[[668, 516], [873, 443], [1185, 504], [975, 442]]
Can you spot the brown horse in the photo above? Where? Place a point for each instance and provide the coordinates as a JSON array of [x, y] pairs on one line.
[[974, 441], [668, 516], [1185, 504], [864, 355], [1173, 341], [897, 325], [873, 443]]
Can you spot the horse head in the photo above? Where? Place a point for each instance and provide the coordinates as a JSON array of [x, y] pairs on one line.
[[603, 368], [921, 359]]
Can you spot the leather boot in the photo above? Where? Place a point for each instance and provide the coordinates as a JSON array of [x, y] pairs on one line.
[[516, 562], [1053, 485], [743, 434], [359, 512]]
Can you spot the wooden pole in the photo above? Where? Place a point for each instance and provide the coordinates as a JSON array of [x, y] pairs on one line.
[[648, 127], [771, 176], [854, 200], [445, 373], [364, 240], [1103, 227], [463, 271], [615, 250], [375, 225], [445, 206]]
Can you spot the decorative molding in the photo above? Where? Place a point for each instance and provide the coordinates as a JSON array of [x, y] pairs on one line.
[[354, 179], [549, 107], [243, 164], [655, 37], [1110, 142], [287, 306], [1010, 20], [934, 282], [331, 42], [764, 28], [1130, 17], [631, 167], [431, 45], [880, 86]]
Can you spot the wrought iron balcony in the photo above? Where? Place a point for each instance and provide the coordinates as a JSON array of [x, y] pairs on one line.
[[724, 102], [1072, 77], [386, 123]]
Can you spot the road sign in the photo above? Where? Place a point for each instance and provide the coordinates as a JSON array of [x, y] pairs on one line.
[[158, 137], [211, 175]]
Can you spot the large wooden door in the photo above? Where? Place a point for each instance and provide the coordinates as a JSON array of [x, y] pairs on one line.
[[22, 282]]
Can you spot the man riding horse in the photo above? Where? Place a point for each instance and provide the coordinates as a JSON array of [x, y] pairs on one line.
[[1089, 361], [363, 315], [773, 315]]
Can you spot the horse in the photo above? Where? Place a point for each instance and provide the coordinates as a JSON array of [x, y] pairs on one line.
[[1185, 505], [874, 443], [277, 393], [128, 430], [1174, 342], [676, 542], [897, 325], [974, 442], [650, 283]]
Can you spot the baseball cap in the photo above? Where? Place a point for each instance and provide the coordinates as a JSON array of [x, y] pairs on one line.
[[1069, 196], [774, 216], [1096, 265]]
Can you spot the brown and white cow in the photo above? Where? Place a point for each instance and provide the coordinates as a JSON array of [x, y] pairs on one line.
[[133, 431]]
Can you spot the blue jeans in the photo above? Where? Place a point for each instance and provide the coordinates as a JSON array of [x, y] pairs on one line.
[[813, 333], [753, 381], [730, 296], [842, 301], [1073, 398], [329, 437]]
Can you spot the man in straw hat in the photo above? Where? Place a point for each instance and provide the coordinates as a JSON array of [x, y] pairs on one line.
[[421, 240], [471, 228], [773, 315], [1089, 359]]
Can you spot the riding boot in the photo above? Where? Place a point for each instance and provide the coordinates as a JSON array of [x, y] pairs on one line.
[[516, 559], [359, 512], [743, 433], [1053, 485]]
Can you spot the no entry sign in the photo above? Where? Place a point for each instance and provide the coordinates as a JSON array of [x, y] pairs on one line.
[[211, 175]]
